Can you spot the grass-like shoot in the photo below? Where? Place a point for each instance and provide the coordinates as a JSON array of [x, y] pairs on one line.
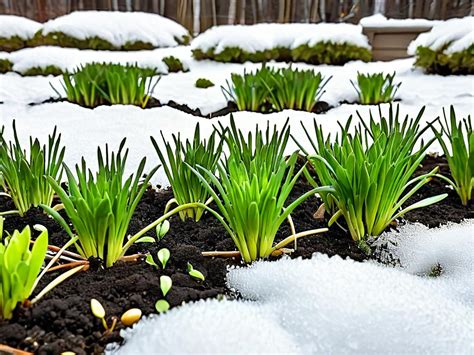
[[96, 84], [459, 151], [176, 156], [100, 207], [23, 175], [371, 172], [255, 181], [374, 89]]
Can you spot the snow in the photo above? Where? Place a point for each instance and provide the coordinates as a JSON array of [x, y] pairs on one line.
[[331, 305], [260, 37], [118, 28], [456, 34], [70, 58], [379, 20], [419, 249], [22, 27]]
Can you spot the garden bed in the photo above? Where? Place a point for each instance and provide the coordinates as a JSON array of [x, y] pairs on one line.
[[62, 320]]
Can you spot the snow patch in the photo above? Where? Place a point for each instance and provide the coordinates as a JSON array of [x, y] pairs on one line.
[[454, 34], [260, 37], [329, 305], [118, 28], [11, 25]]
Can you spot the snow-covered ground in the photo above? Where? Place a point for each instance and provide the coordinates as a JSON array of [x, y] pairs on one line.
[[322, 305], [333, 306]]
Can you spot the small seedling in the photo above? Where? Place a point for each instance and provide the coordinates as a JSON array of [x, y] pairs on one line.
[[149, 260], [163, 256], [195, 273], [99, 312], [131, 316], [165, 284], [162, 229], [162, 306]]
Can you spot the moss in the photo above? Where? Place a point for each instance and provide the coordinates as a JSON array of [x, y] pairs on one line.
[[49, 70], [321, 53], [11, 44], [63, 40], [437, 62], [5, 66], [203, 83], [174, 64]]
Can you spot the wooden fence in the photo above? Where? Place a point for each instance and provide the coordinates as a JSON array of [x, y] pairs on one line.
[[198, 15]]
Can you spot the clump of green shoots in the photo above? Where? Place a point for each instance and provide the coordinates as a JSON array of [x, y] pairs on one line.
[[100, 207], [271, 89], [96, 84], [20, 268], [460, 154], [255, 181], [174, 64], [371, 172], [374, 89], [187, 188], [23, 176]]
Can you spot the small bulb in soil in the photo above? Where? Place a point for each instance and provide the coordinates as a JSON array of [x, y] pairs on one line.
[[131, 316]]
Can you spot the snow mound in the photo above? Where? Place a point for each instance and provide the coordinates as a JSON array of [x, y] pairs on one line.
[[420, 249], [70, 58], [260, 37], [379, 20], [11, 26], [453, 35], [118, 28], [210, 327], [331, 305]]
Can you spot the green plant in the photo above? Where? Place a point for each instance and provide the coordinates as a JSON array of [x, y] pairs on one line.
[[23, 176], [96, 84], [461, 155], [374, 89], [248, 90], [438, 62], [271, 89], [195, 273], [20, 268], [187, 187], [5, 65], [163, 256], [295, 89], [255, 182], [162, 306], [165, 284], [100, 208], [203, 83], [10, 44], [43, 71], [174, 64], [371, 172]]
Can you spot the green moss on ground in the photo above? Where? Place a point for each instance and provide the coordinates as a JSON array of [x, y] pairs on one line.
[[49, 70], [203, 83], [174, 64], [11, 44], [437, 62], [321, 53], [5, 66]]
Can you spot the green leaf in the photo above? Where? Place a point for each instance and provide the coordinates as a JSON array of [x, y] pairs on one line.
[[145, 240], [163, 256], [149, 260], [162, 306], [165, 284], [195, 273]]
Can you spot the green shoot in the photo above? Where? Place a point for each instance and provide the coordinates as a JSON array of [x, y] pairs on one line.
[[460, 157], [371, 171], [374, 89], [195, 273], [162, 306], [165, 284], [23, 175], [187, 188]]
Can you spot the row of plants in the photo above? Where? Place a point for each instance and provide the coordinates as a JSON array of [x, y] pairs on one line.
[[173, 64], [439, 62], [364, 179], [320, 53], [271, 90]]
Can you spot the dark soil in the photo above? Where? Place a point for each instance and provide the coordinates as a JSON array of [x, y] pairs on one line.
[[62, 320], [231, 107]]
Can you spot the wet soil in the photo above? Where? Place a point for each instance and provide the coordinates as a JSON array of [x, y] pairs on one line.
[[62, 320]]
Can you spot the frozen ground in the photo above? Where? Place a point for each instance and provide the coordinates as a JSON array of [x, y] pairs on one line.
[[330, 305]]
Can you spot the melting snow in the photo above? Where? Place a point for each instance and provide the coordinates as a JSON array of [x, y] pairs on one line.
[[331, 305], [22, 27]]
